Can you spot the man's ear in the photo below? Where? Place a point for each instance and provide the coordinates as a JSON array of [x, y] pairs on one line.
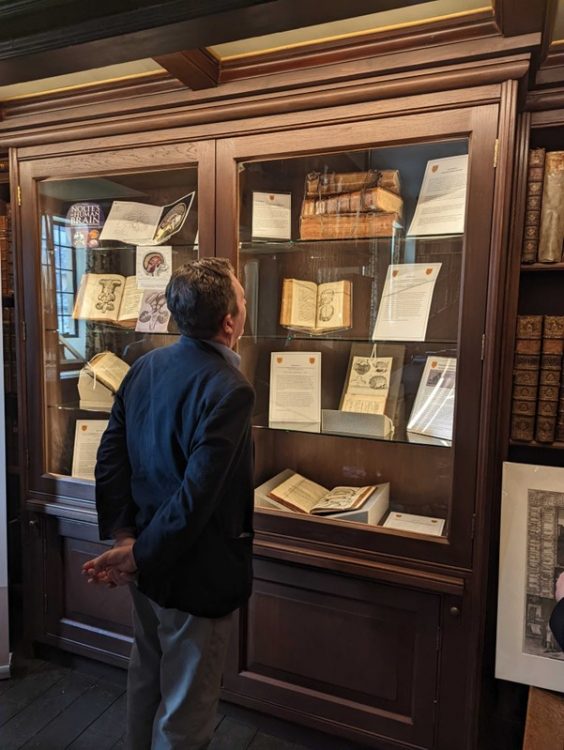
[[227, 325]]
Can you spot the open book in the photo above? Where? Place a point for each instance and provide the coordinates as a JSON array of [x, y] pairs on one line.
[[316, 308], [304, 496], [108, 297]]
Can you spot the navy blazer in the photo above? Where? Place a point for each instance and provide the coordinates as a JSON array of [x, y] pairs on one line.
[[557, 623], [176, 463]]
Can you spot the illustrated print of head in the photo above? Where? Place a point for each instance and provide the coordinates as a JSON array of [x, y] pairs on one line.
[[154, 264]]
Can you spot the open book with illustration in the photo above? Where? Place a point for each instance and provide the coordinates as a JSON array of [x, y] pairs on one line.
[[316, 308], [301, 495], [108, 297]]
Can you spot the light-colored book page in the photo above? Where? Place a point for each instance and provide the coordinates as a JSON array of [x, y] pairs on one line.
[[368, 385], [131, 300], [131, 222], [304, 303], [153, 312], [99, 296], [108, 369], [334, 305], [298, 493], [87, 437]]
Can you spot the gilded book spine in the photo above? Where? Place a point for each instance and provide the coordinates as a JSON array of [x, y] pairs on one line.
[[552, 211], [550, 376], [526, 377], [535, 177]]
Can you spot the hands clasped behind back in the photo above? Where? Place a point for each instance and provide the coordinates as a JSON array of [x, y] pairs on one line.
[[116, 567]]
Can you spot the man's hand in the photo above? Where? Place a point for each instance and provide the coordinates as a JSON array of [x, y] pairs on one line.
[[559, 589], [114, 568]]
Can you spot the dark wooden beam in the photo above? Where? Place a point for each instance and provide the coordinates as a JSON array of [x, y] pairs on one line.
[[137, 30], [516, 17], [195, 68]]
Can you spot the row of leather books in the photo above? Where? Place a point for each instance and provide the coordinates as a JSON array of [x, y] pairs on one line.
[[6, 258], [538, 390], [544, 212], [351, 205]]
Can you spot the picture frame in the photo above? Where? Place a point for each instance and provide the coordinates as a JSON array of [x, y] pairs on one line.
[[531, 559]]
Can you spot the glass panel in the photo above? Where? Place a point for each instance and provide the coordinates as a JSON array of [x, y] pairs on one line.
[[108, 246], [352, 330]]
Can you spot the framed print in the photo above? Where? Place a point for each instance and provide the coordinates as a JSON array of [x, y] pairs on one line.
[[531, 561]]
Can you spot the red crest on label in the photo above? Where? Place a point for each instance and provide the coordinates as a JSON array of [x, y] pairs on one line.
[[312, 360], [394, 274], [279, 360], [428, 271]]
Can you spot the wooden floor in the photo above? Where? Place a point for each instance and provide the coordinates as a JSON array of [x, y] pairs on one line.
[[46, 706]]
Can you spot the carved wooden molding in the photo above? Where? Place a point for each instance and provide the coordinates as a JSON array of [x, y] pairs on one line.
[[196, 68]]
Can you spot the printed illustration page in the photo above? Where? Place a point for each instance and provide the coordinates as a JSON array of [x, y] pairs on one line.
[[298, 493]]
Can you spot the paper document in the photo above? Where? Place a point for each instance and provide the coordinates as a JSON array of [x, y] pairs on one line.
[[153, 312], [272, 216], [144, 223], [412, 522], [404, 308], [433, 410], [295, 391], [87, 437], [441, 206], [368, 385]]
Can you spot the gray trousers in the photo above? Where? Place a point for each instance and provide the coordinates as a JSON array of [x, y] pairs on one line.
[[174, 677]]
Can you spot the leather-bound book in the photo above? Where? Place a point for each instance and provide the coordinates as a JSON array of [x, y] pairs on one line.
[[535, 177], [526, 377], [549, 378], [552, 210], [560, 416]]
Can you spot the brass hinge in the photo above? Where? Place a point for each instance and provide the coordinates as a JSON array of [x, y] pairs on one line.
[[483, 352], [24, 331], [496, 149], [19, 196]]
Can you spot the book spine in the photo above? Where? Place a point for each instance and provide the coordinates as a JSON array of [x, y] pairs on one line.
[[347, 226], [535, 177], [549, 378], [526, 366], [552, 210], [560, 416]]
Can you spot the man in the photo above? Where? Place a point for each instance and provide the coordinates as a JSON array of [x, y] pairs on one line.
[[174, 489]]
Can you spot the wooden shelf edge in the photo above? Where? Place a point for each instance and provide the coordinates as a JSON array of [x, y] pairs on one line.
[[526, 267], [533, 444]]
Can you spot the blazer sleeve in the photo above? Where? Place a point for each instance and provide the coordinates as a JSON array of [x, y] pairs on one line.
[[557, 623], [178, 523], [115, 506]]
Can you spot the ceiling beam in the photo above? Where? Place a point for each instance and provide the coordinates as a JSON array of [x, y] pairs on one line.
[[195, 68], [516, 17], [153, 30]]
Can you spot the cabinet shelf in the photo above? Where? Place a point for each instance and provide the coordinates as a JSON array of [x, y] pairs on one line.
[[289, 246], [558, 446], [539, 267], [446, 344], [414, 439]]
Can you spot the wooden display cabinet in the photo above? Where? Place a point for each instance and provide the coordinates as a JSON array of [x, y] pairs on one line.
[[365, 632]]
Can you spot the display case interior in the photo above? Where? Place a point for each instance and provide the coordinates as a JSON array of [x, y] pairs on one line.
[[108, 246], [352, 268]]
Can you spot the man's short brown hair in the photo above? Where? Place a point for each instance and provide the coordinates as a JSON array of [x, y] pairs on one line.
[[200, 294]]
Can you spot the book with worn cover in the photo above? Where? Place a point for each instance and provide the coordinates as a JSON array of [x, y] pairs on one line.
[[535, 176], [108, 297], [316, 308], [372, 199], [552, 210], [549, 378], [99, 380], [526, 366], [349, 226], [319, 184]]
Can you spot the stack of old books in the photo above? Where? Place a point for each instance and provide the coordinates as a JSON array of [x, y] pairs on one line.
[[351, 205], [538, 396]]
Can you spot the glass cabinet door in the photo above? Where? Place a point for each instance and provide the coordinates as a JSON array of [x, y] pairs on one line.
[[108, 238], [108, 247], [353, 261]]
